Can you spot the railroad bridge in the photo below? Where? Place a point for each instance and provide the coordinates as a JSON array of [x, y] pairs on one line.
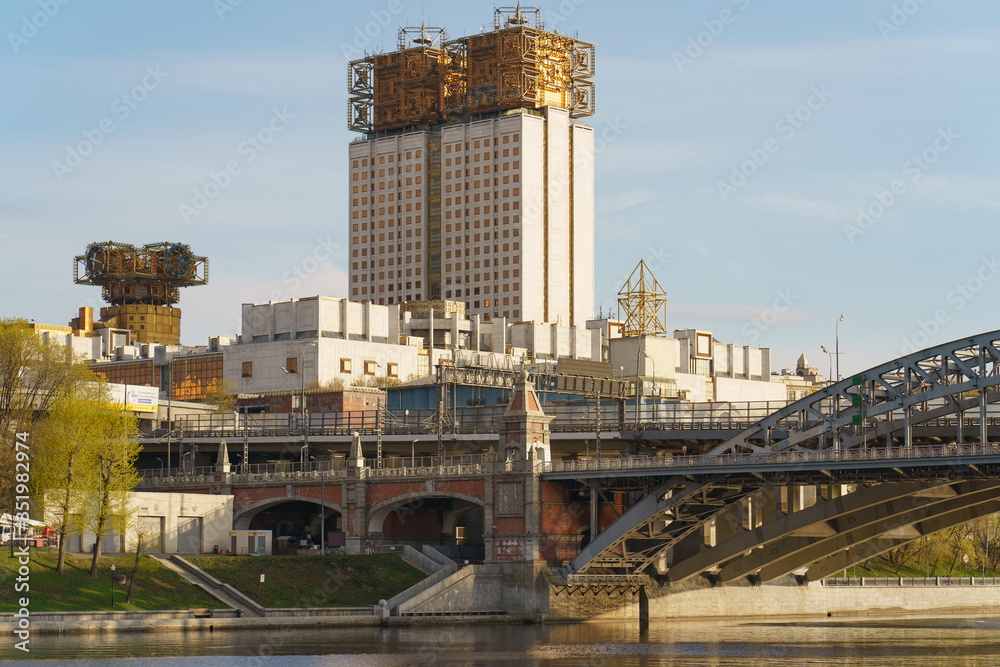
[[812, 488]]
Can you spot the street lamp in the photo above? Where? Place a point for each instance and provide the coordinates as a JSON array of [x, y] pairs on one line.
[[837, 345], [829, 355], [304, 450], [112, 585]]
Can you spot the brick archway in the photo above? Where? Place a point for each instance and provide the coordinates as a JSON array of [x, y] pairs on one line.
[[378, 513], [243, 517]]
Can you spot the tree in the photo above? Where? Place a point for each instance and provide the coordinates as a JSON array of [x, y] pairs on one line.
[[34, 374], [222, 394], [111, 477], [68, 438]]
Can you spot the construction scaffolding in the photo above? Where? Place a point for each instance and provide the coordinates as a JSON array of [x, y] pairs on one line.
[[519, 64], [644, 304]]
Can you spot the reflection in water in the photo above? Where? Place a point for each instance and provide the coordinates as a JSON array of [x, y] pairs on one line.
[[913, 642]]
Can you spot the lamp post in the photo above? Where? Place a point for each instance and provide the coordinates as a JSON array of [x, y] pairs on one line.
[[837, 345], [304, 450], [322, 509], [829, 355], [638, 383], [112, 585], [413, 446]]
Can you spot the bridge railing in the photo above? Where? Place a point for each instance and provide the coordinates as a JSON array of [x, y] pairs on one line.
[[784, 458], [466, 464], [573, 416], [908, 582]]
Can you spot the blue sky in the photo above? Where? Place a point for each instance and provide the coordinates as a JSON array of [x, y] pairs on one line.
[[739, 143]]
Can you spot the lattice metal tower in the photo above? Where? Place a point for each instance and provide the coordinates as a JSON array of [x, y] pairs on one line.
[[642, 304]]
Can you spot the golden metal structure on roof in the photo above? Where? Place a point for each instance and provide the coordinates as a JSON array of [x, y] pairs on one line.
[[519, 64], [148, 275], [644, 304]]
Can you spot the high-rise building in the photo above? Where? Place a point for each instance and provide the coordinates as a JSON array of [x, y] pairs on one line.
[[474, 181]]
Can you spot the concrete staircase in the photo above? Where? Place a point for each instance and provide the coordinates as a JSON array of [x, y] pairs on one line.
[[471, 590], [206, 582]]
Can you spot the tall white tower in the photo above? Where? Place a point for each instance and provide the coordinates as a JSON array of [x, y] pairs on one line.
[[475, 179]]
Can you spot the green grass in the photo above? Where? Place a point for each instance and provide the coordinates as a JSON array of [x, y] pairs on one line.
[[156, 587], [314, 581]]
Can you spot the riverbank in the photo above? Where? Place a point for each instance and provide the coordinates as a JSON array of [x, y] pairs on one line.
[[698, 600]]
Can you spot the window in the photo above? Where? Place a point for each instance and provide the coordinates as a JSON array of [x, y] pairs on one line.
[[393, 371], [292, 364], [370, 367], [345, 365], [248, 369]]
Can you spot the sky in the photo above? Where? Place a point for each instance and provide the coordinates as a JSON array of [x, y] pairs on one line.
[[776, 164]]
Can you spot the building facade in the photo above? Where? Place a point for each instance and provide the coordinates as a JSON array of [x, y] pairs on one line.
[[474, 181]]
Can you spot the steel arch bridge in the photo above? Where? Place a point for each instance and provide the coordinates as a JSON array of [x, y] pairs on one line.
[[772, 514], [882, 401]]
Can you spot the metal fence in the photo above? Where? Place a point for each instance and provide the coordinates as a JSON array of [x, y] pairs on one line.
[[785, 458], [582, 416], [910, 582]]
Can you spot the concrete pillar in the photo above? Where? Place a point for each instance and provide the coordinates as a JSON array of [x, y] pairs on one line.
[[728, 523]]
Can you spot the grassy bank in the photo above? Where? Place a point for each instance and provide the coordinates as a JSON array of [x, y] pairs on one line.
[[156, 587], [314, 581]]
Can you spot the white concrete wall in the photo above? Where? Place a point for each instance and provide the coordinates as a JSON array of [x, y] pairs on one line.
[[558, 189], [215, 513], [815, 599], [532, 224], [730, 389], [583, 225]]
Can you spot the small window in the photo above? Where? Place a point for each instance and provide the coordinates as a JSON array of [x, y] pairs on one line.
[[370, 367], [393, 371], [292, 364], [345, 365], [248, 369]]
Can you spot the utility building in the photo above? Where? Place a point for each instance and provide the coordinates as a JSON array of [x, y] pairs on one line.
[[474, 181]]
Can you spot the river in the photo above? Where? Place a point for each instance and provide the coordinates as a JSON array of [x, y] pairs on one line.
[[913, 642]]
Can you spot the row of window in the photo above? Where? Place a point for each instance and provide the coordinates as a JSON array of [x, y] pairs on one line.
[[484, 156], [485, 142], [410, 155], [292, 366]]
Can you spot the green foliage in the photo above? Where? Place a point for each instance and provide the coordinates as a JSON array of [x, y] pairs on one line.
[[331, 385], [34, 374], [315, 581], [376, 382], [157, 588], [222, 394]]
